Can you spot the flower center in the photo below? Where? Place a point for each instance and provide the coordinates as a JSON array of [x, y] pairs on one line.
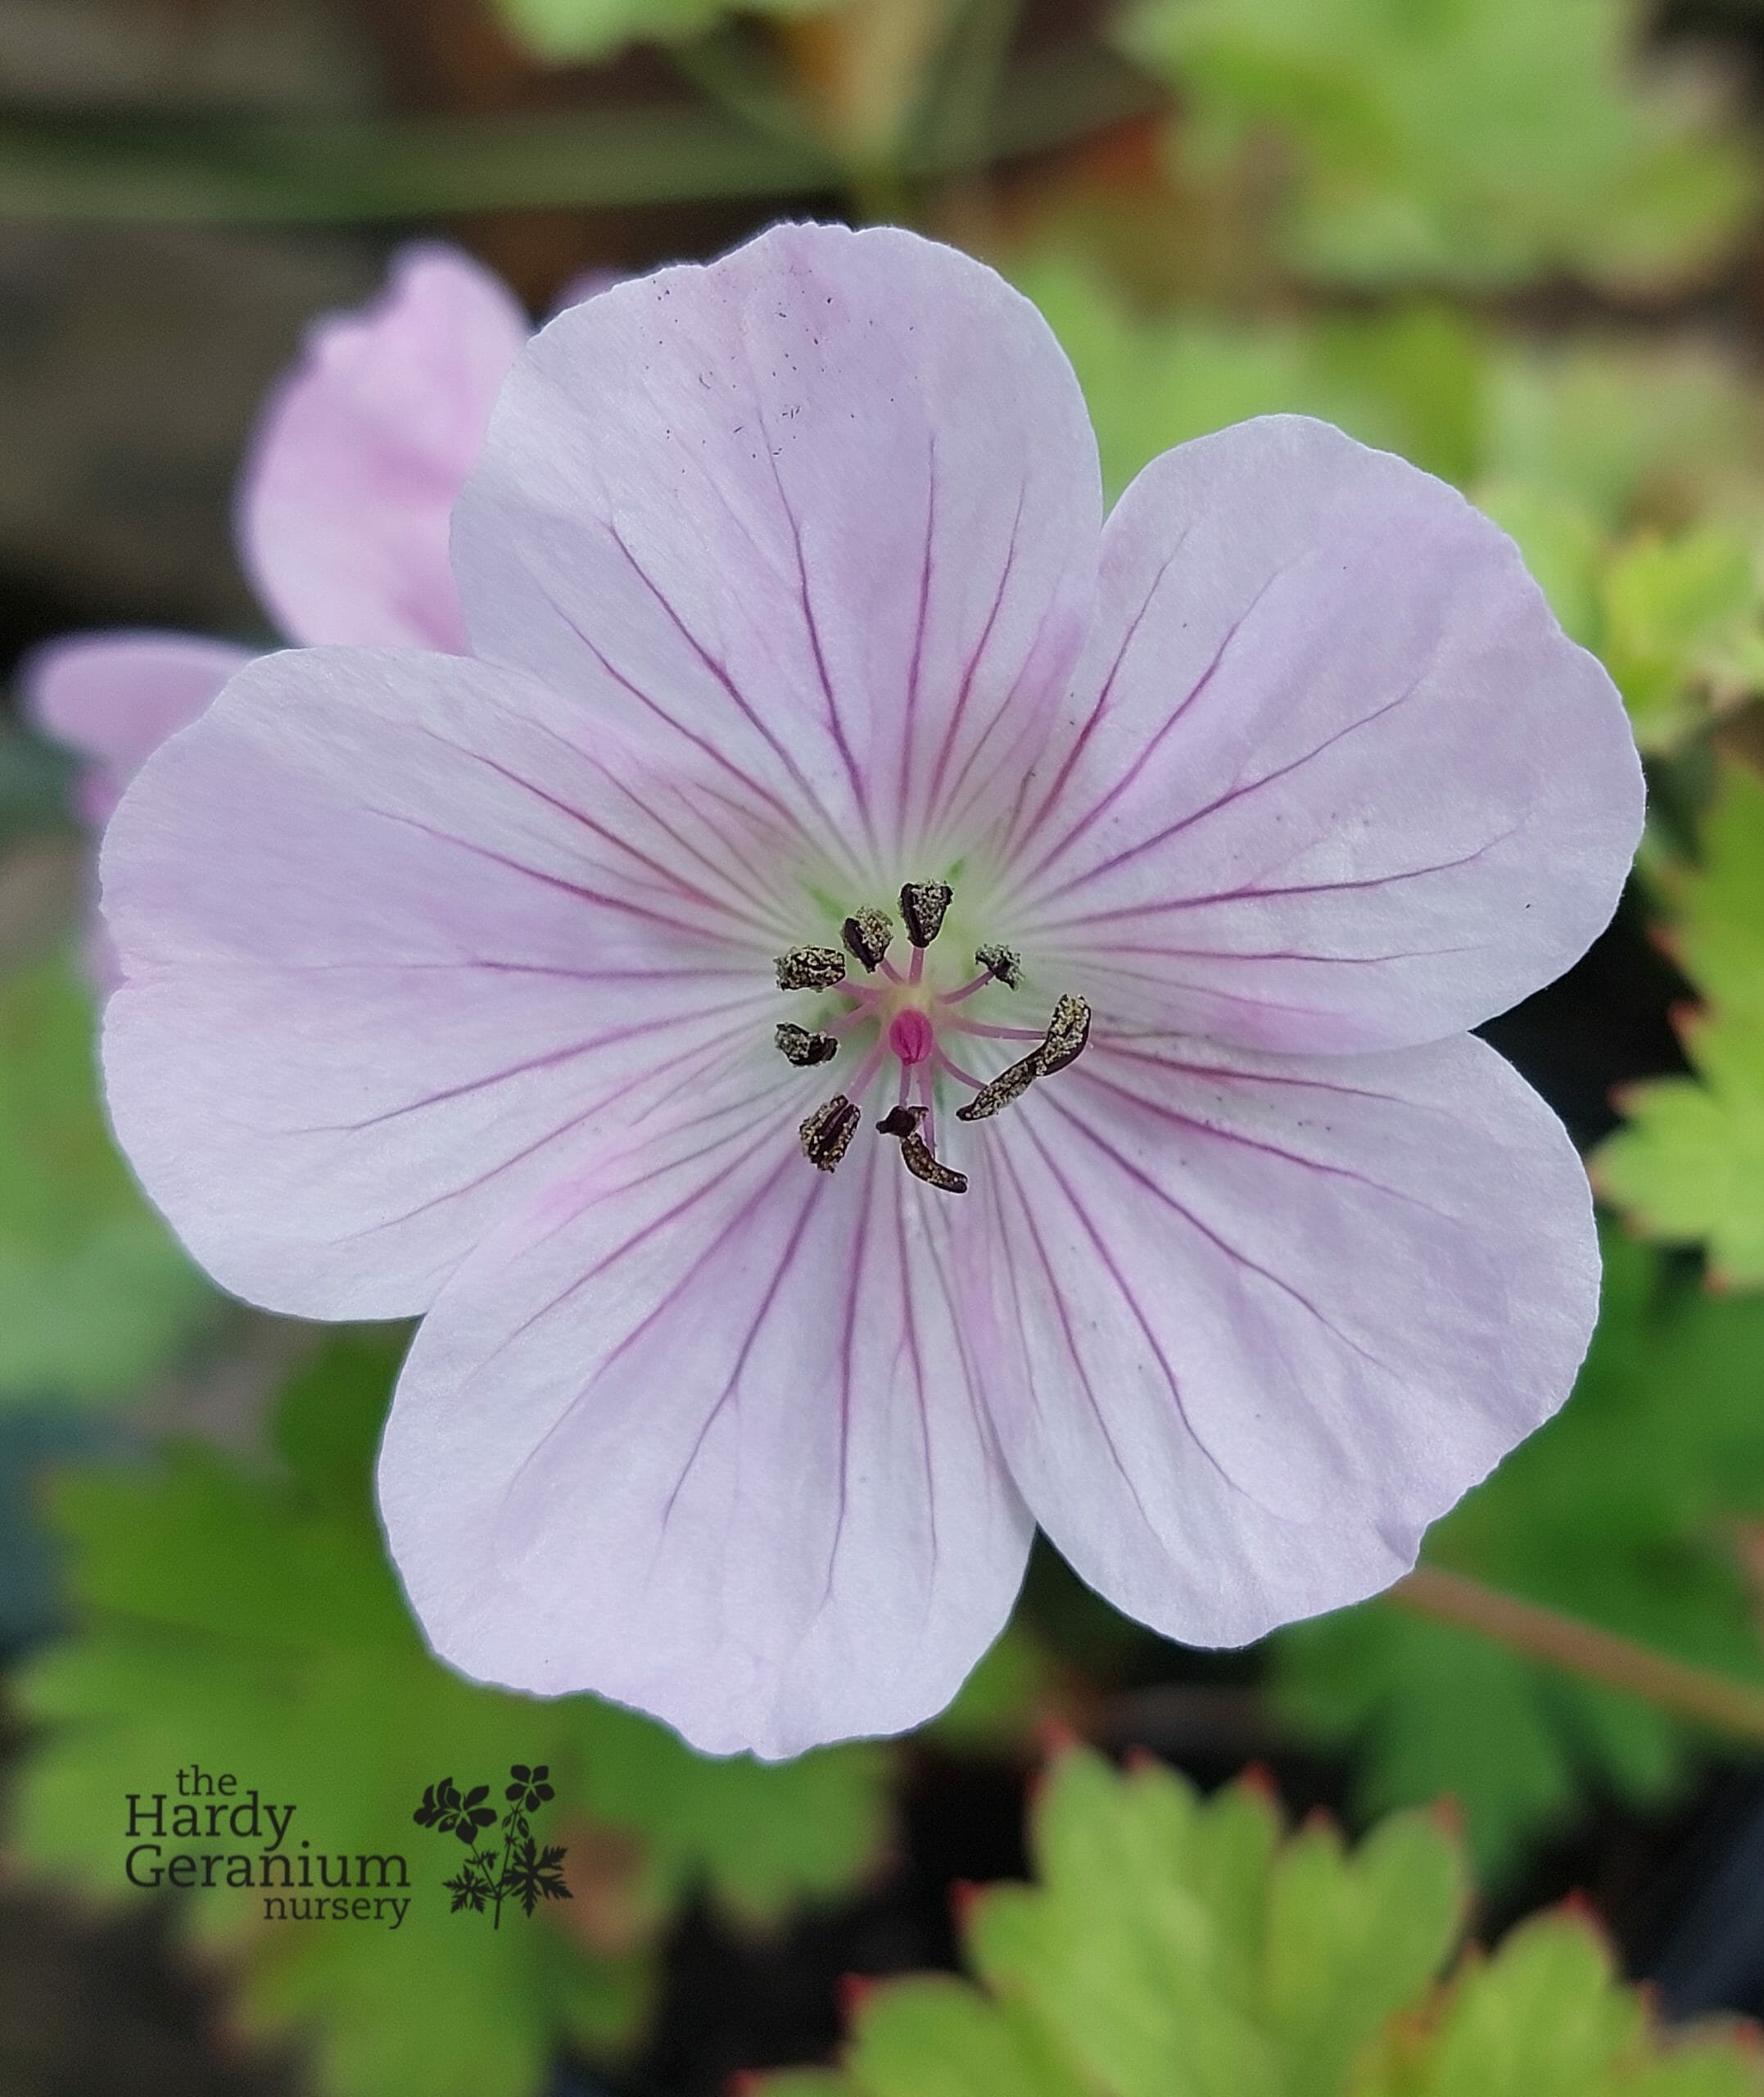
[[912, 1037], [916, 1022]]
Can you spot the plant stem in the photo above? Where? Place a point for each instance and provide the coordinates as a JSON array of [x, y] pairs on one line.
[[1699, 1694], [270, 171]]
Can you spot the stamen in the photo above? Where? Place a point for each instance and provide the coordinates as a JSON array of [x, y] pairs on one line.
[[1002, 963], [1068, 1032], [810, 968], [922, 906], [867, 934], [1009, 1084], [827, 1133], [798, 1046], [903, 1121]]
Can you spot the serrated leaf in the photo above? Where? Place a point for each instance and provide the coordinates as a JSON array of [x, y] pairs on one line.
[[1688, 1167], [1620, 1511], [1177, 1948], [1465, 142], [95, 1296], [933, 2037], [1172, 1947], [1548, 2016], [250, 1622]]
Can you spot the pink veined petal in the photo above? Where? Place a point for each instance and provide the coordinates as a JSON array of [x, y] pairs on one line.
[[1260, 1320], [1332, 776], [345, 501], [394, 937], [827, 509], [116, 697], [700, 1433]]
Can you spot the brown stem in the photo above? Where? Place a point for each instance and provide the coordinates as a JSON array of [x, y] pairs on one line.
[[1696, 1693]]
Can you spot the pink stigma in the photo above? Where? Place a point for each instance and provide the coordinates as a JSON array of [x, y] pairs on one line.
[[911, 1037]]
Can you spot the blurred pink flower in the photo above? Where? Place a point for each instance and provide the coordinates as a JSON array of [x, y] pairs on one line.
[[343, 509], [826, 771]]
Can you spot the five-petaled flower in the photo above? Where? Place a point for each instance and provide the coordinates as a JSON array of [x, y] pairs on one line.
[[875, 1008], [444, 1808], [529, 1789]]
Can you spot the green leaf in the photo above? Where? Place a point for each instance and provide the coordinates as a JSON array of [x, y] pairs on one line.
[[1682, 630], [1688, 1168], [248, 1621], [1619, 1511], [1410, 380], [1548, 2016], [95, 1296], [575, 32], [1463, 142], [933, 2037], [1173, 1947], [1563, 546], [1631, 434]]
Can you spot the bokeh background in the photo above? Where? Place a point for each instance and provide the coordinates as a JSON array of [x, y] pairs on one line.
[[1519, 241]]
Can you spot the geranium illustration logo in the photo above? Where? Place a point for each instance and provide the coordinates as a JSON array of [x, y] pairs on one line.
[[523, 1871]]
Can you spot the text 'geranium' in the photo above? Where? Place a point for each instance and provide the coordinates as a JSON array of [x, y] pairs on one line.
[[875, 1008]]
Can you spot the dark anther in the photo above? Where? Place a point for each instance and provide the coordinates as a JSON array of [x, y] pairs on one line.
[[827, 1133], [810, 968], [1009, 1084], [867, 934], [903, 1121], [1064, 1042], [1067, 1032], [1002, 964], [922, 904], [797, 1045]]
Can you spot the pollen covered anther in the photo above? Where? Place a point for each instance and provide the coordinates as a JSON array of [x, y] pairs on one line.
[[827, 1133], [797, 1045], [810, 968], [867, 934], [1068, 1032], [903, 1122], [1002, 964], [922, 906]]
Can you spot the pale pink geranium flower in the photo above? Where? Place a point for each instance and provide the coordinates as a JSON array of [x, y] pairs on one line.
[[342, 513], [875, 1009]]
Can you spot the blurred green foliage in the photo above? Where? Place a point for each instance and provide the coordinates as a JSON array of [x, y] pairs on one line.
[[1592, 457], [1627, 1510], [575, 32], [1177, 1948], [1473, 142], [248, 1619], [95, 1296], [1689, 1166], [1621, 437]]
